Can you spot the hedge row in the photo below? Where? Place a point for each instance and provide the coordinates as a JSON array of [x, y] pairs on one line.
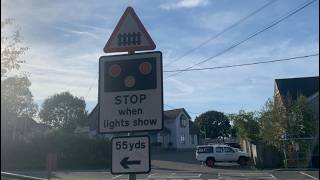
[[73, 152]]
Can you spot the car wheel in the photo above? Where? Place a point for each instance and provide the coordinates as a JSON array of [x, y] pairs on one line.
[[242, 161], [210, 162]]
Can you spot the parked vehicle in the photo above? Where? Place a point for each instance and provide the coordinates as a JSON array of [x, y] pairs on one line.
[[220, 153], [234, 145]]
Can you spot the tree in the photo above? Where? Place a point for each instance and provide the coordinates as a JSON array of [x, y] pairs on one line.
[[295, 119], [213, 123], [273, 123], [11, 49], [246, 125], [64, 111], [16, 102], [301, 121]]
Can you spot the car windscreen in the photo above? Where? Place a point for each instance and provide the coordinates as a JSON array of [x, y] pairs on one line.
[[205, 150]]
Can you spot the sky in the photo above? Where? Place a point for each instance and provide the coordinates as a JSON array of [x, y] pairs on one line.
[[66, 39]]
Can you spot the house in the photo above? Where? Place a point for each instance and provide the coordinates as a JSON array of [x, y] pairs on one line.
[[92, 130], [287, 91], [178, 132]]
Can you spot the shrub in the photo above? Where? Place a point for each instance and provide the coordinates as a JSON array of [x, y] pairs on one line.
[[73, 152]]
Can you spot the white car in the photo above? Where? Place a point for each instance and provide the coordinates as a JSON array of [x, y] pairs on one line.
[[220, 153]]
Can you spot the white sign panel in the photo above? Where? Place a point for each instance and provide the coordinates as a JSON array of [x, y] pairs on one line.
[[129, 35], [130, 155], [130, 93]]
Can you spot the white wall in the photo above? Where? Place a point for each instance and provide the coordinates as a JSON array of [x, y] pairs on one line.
[[195, 140], [171, 125], [176, 131], [182, 131]]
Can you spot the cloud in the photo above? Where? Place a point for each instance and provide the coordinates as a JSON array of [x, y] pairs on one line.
[[231, 89], [218, 21], [178, 4], [77, 32]]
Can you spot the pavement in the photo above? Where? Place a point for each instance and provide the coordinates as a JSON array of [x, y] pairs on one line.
[[183, 166]]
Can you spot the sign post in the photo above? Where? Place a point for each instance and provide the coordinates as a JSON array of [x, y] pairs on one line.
[[130, 94], [130, 154]]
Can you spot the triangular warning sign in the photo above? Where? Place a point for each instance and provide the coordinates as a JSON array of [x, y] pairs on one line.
[[129, 35]]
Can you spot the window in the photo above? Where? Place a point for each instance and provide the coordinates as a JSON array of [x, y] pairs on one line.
[[219, 149], [182, 139], [228, 150], [183, 121], [205, 150]]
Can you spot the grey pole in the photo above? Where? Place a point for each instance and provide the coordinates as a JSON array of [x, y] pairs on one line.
[[132, 176]]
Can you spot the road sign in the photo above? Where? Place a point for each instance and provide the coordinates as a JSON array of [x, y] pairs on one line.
[[130, 154], [130, 93], [129, 35]]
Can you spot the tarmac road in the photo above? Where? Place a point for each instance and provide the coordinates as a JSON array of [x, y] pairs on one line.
[[183, 166]]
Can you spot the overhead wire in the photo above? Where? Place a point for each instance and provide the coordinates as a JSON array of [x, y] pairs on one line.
[[221, 32], [244, 64], [249, 37]]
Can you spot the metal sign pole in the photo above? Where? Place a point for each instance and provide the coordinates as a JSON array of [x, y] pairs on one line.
[[132, 176]]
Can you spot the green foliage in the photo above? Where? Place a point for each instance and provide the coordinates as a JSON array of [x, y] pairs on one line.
[[11, 49], [16, 103], [64, 111], [301, 121], [273, 123], [17, 98], [213, 123], [73, 152], [296, 120], [246, 125]]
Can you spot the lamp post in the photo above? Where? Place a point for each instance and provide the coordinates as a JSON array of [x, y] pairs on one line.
[[204, 132]]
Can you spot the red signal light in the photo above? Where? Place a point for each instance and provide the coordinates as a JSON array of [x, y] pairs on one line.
[[145, 68], [114, 70]]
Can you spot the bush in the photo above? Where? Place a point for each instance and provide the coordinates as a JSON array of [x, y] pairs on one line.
[[73, 152]]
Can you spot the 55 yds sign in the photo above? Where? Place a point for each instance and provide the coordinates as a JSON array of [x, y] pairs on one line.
[[130, 93], [130, 155]]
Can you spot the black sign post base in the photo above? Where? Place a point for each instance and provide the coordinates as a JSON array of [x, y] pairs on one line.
[[132, 176]]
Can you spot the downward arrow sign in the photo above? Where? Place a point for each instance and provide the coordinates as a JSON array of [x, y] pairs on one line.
[[124, 162]]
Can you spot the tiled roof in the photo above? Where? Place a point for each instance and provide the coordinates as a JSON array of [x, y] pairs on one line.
[[294, 87], [172, 114]]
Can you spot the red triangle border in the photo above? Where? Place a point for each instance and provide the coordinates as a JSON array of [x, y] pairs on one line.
[[128, 11]]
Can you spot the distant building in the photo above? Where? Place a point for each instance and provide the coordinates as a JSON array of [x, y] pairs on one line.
[[287, 90], [178, 132]]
